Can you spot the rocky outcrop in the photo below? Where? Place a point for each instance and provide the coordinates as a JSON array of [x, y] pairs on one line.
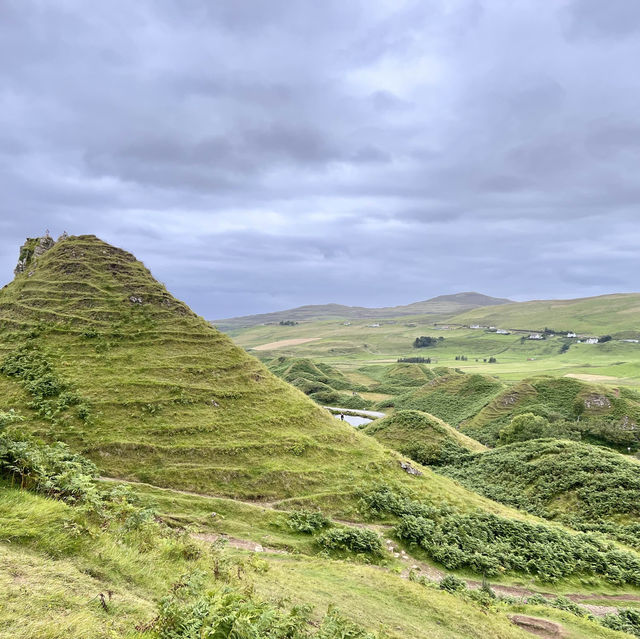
[[31, 250]]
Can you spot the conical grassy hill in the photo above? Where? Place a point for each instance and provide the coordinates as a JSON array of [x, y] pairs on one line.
[[95, 352]]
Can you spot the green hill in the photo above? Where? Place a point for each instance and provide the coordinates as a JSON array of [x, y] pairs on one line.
[[422, 437], [596, 413], [453, 397], [325, 384], [564, 480], [595, 315], [97, 353]]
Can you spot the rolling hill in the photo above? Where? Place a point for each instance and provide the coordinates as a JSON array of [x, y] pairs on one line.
[[618, 313], [444, 305]]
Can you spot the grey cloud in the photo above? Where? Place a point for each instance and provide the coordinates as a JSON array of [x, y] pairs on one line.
[[261, 155]]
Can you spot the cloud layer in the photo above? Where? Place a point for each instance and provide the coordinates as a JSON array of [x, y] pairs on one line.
[[261, 155]]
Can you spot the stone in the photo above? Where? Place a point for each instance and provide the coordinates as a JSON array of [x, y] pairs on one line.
[[408, 468], [134, 299], [31, 250]]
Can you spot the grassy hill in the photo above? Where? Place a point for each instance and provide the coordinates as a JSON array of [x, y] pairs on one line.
[[443, 305], [324, 384], [619, 313], [594, 412], [422, 437], [97, 353], [453, 397], [577, 483]]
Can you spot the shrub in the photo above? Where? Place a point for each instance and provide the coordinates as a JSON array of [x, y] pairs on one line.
[[358, 540], [307, 521], [451, 583], [492, 545]]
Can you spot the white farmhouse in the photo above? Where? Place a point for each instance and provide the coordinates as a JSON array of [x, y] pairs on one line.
[[502, 331], [572, 335], [535, 336], [591, 340]]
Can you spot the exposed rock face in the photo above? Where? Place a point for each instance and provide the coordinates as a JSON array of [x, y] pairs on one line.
[[31, 250]]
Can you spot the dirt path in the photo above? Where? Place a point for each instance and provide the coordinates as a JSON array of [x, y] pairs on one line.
[[284, 342], [260, 504], [419, 567], [234, 542]]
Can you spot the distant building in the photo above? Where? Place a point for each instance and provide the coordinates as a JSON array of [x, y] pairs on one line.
[[475, 326], [346, 324], [502, 331], [535, 336], [373, 325], [571, 335], [591, 340]]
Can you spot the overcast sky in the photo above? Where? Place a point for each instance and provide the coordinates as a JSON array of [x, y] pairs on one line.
[[259, 155]]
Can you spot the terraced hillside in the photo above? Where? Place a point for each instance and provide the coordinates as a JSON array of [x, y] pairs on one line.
[[96, 352], [592, 412], [453, 396]]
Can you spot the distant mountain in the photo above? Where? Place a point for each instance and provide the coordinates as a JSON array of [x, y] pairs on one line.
[[441, 305]]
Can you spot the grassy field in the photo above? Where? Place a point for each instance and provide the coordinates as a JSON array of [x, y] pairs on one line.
[[348, 347]]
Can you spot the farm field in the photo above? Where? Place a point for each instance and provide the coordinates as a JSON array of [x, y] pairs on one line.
[[349, 347]]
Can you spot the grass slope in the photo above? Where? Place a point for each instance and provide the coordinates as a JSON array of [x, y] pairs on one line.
[[608, 416], [605, 313], [103, 357], [422, 437], [556, 479], [453, 397]]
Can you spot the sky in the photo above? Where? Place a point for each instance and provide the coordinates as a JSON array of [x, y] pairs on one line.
[[259, 155]]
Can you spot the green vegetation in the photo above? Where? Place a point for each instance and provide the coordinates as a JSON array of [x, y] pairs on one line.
[[567, 408], [103, 372], [453, 397], [587, 487], [425, 341], [321, 382], [492, 545], [96, 353], [422, 437]]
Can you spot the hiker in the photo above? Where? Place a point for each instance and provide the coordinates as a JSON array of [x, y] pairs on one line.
[[342, 416]]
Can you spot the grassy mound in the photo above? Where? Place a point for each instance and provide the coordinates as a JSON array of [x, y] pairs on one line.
[[555, 479], [598, 413], [422, 437], [453, 397], [324, 384]]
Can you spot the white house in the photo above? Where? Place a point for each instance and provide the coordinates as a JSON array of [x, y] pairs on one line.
[[571, 335], [475, 326], [502, 331], [535, 336], [373, 325], [591, 340]]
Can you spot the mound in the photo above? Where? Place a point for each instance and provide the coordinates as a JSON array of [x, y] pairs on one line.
[[452, 397], [596, 413], [321, 382], [95, 352], [423, 437], [564, 480]]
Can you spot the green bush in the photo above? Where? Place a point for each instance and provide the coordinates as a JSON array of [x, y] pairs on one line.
[[190, 612], [307, 521], [358, 540], [51, 470], [451, 583], [492, 545]]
